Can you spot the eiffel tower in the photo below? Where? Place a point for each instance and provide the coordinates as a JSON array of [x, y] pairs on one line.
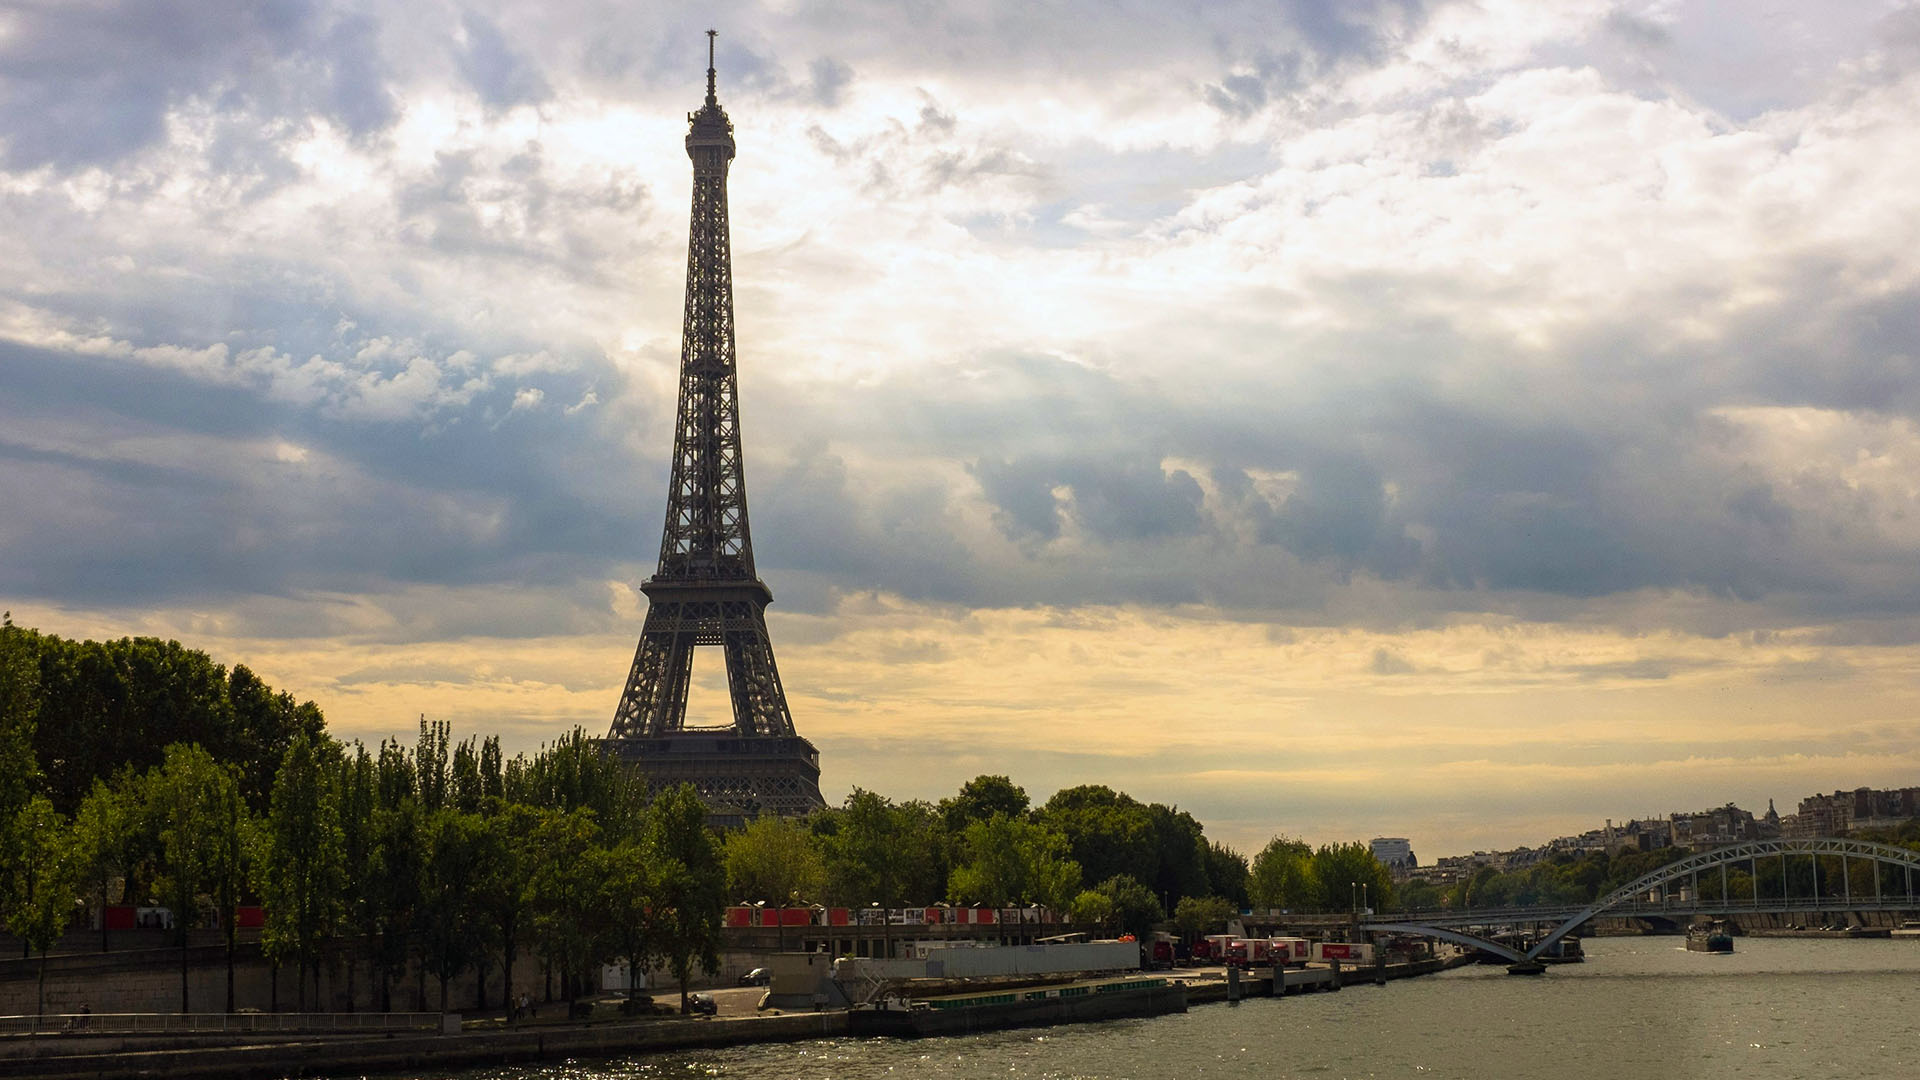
[[706, 591]]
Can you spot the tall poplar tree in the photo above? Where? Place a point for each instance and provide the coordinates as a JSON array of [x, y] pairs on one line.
[[691, 884], [304, 861], [194, 804], [44, 883]]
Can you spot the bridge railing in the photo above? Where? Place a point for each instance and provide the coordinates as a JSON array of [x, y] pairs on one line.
[[1503, 916]]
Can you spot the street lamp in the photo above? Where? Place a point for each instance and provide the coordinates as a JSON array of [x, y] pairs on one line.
[[1364, 908], [1353, 900]]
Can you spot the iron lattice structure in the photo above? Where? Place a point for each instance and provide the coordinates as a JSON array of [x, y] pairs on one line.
[[706, 592]]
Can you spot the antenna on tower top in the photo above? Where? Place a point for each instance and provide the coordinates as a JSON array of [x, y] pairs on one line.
[[711, 34]]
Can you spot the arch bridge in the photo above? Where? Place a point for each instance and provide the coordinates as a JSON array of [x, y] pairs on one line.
[[1649, 895]]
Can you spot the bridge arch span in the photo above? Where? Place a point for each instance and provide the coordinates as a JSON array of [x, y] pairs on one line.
[[1438, 926], [1733, 855]]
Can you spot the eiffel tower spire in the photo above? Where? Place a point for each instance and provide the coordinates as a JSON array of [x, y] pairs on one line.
[[705, 591]]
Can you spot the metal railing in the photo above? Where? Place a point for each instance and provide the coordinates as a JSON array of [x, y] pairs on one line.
[[214, 1023]]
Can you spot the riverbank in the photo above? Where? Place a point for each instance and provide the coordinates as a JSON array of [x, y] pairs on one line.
[[120, 1057]]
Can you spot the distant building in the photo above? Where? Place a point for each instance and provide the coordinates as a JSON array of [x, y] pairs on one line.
[[1844, 812], [1718, 827], [1395, 853]]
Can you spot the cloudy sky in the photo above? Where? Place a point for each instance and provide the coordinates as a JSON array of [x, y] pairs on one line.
[[1459, 420]]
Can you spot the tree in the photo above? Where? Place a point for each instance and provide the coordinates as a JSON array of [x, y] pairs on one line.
[[691, 885], [359, 871], [565, 896], [1120, 904], [43, 883], [231, 860], [979, 799], [459, 848], [264, 725], [194, 803], [774, 859], [1195, 916], [1227, 873], [396, 867], [500, 894], [1282, 878], [1091, 907], [103, 830], [1008, 861], [631, 875], [19, 710], [1419, 895], [1349, 875], [304, 861], [881, 853], [1180, 854], [1108, 833]]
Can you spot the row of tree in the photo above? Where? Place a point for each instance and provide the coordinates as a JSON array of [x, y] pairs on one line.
[[137, 770], [436, 858], [1100, 856]]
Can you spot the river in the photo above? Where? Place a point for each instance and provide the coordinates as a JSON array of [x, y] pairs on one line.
[[1641, 1008]]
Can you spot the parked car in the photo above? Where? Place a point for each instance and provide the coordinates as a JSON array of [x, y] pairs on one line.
[[756, 977], [702, 1004]]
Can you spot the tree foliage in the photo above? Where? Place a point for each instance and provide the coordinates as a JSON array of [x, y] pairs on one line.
[[775, 860], [1282, 877], [1006, 861]]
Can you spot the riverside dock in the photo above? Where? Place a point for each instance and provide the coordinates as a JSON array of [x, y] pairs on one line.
[[125, 1055]]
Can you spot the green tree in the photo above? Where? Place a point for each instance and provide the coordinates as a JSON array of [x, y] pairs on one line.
[[1091, 907], [1108, 833], [566, 897], [979, 799], [1227, 874], [574, 774], [459, 849], [103, 832], [775, 859], [192, 801], [1180, 854], [1419, 895], [231, 860], [1008, 861], [1195, 916], [691, 885], [1118, 905], [359, 872], [397, 864], [878, 852], [1281, 877], [43, 885], [304, 861], [631, 874], [264, 725], [1348, 874], [19, 710], [501, 893]]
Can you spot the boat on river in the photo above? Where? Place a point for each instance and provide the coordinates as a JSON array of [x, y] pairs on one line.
[[957, 1014], [1565, 951], [1709, 937]]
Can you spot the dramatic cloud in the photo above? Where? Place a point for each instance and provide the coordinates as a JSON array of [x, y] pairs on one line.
[[1285, 393]]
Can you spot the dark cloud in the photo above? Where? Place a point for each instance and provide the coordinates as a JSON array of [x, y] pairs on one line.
[[829, 79], [500, 74], [88, 84]]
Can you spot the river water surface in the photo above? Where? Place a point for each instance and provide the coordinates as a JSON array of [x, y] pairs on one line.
[[1640, 1008]]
